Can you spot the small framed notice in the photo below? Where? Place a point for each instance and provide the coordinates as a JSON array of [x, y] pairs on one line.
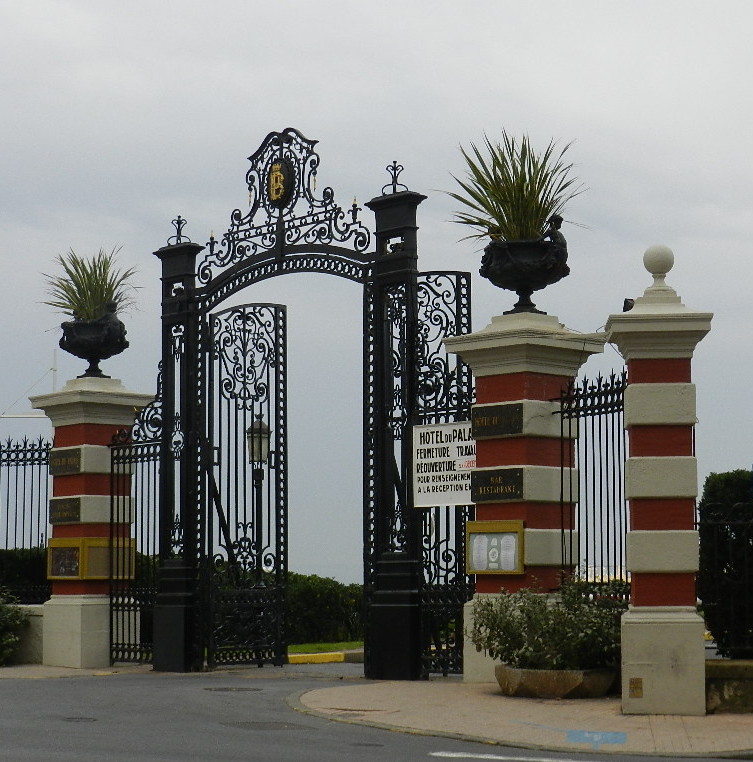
[[494, 547]]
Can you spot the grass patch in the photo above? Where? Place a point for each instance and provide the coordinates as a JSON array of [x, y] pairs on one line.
[[318, 648]]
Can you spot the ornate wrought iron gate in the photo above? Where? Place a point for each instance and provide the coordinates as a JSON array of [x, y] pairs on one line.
[[223, 522]]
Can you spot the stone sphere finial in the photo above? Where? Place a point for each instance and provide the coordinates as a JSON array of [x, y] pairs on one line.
[[658, 260]]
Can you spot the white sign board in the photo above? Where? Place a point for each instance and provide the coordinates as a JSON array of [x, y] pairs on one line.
[[443, 456]]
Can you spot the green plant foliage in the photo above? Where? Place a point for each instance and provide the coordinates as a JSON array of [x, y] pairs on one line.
[[321, 609], [577, 629], [725, 576], [511, 190], [12, 620], [87, 285]]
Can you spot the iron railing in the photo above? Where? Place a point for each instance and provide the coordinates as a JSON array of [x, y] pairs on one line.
[[24, 518], [594, 441]]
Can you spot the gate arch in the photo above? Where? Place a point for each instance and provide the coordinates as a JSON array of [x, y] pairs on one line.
[[414, 576]]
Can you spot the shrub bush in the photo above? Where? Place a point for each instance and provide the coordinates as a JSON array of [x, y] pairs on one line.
[[323, 610], [725, 576], [579, 629], [12, 620]]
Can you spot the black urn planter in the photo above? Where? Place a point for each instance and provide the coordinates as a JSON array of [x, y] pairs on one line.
[[524, 267], [94, 341]]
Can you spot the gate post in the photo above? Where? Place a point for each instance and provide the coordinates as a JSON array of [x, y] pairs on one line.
[[85, 415], [521, 361], [393, 638], [663, 663], [176, 645]]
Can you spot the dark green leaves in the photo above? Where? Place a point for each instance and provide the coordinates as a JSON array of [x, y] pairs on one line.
[[511, 190], [87, 285]]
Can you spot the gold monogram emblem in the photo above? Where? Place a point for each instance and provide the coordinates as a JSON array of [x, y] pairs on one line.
[[276, 182]]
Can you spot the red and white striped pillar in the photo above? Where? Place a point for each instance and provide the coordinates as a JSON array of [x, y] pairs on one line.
[[663, 663], [521, 362], [85, 416]]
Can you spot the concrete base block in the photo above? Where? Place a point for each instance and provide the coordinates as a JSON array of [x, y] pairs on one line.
[[663, 661], [478, 666], [77, 631]]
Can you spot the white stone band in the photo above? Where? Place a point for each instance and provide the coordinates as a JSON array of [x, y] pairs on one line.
[[660, 405], [667, 477], [666, 551]]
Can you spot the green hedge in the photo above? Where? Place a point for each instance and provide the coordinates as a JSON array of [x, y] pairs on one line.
[[23, 573], [321, 610]]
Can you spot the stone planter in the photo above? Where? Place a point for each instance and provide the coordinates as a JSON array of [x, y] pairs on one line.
[[524, 267], [94, 340], [554, 683]]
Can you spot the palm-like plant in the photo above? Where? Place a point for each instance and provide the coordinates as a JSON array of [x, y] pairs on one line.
[[511, 191], [88, 285]]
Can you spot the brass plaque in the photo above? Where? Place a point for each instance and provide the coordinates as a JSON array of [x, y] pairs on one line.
[[497, 485], [635, 687], [497, 420], [65, 510], [65, 462], [65, 562]]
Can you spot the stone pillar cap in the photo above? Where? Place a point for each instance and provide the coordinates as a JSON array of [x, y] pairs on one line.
[[525, 342], [659, 324], [91, 400]]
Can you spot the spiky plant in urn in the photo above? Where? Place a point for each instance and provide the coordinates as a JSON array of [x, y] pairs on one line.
[[91, 291], [515, 196]]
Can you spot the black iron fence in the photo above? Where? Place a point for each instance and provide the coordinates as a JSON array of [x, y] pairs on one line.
[[24, 509], [591, 413], [134, 557]]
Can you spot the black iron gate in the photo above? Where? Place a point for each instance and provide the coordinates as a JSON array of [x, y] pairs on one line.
[[222, 519]]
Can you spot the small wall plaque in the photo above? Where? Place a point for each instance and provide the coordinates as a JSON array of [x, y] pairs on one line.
[[65, 510], [497, 485], [64, 462], [497, 420]]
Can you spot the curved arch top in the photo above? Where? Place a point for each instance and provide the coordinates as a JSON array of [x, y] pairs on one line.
[[331, 260]]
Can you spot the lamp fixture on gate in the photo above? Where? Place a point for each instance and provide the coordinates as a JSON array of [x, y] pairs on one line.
[[257, 439]]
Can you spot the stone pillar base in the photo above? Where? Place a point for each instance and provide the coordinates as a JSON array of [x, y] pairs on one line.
[[478, 666], [663, 661], [77, 631]]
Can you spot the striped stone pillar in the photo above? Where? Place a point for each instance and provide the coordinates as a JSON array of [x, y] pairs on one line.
[[663, 665], [521, 362], [85, 415]]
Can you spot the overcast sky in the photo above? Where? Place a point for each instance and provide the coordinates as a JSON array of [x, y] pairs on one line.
[[119, 116]]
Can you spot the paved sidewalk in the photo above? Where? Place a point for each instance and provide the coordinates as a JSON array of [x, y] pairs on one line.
[[479, 712]]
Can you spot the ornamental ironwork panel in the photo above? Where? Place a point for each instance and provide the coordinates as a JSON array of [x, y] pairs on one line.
[[594, 441], [434, 388], [244, 562], [284, 210]]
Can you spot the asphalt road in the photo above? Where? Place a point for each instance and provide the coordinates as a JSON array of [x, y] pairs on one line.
[[220, 716]]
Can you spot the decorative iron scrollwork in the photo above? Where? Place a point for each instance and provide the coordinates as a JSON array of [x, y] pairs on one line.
[[283, 208]]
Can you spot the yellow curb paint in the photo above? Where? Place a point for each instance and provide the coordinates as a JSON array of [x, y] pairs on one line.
[[322, 658]]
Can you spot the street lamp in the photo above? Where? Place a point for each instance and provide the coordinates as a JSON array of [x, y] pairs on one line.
[[257, 439]]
